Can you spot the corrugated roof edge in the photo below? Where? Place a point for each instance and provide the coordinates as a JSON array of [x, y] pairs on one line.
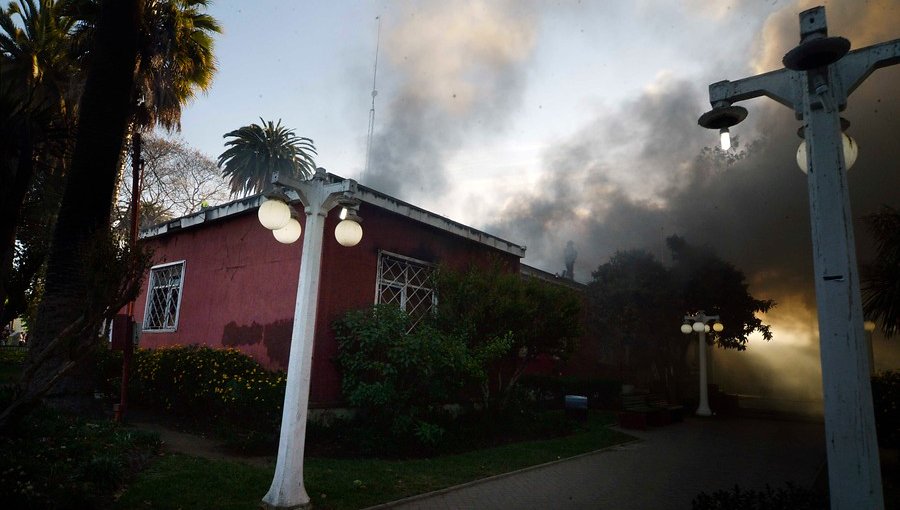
[[533, 272], [365, 194]]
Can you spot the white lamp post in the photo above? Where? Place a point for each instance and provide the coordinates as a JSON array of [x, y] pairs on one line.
[[819, 75], [318, 197], [698, 323]]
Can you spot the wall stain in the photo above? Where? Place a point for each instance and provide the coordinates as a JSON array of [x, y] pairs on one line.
[[277, 339], [275, 336], [234, 335]]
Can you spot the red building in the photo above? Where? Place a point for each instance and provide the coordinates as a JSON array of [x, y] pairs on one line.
[[220, 279]]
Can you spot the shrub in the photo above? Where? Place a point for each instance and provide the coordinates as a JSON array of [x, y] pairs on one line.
[[789, 498], [886, 400], [204, 386], [55, 461], [400, 380]]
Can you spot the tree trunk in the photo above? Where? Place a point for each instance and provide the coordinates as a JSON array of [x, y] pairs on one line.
[[84, 215]]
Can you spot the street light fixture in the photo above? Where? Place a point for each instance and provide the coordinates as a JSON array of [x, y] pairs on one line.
[[850, 148], [698, 323], [819, 76], [318, 196]]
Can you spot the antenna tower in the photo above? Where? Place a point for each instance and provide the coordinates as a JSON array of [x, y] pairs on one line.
[[372, 110]]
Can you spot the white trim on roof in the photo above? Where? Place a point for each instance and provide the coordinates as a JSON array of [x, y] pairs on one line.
[[366, 195]]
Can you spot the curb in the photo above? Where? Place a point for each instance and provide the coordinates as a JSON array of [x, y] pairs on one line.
[[410, 499]]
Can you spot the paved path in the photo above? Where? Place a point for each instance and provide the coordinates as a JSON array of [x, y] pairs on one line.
[[665, 470], [198, 446]]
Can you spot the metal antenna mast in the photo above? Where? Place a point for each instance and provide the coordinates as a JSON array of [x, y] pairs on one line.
[[372, 110]]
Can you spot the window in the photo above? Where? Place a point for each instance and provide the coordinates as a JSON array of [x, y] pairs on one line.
[[407, 283], [164, 297]]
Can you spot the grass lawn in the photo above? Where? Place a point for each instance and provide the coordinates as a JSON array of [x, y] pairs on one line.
[[178, 481]]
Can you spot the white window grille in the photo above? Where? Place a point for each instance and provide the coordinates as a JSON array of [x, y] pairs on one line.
[[407, 283], [164, 297]]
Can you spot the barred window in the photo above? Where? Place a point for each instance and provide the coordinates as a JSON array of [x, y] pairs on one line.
[[164, 297], [407, 283]]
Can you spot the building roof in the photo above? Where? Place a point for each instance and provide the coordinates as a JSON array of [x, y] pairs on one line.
[[364, 194], [533, 272]]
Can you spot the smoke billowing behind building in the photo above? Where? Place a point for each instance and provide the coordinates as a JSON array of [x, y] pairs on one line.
[[642, 169]]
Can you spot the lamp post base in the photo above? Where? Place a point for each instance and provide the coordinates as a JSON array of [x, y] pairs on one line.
[[703, 411], [266, 506]]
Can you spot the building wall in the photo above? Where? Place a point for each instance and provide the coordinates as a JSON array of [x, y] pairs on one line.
[[240, 284]]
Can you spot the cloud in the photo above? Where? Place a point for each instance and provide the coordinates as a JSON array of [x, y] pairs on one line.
[[460, 72]]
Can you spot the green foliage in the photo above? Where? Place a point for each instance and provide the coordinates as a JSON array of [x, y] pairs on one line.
[[255, 152], [789, 498], [706, 282], [179, 481], [205, 385], [11, 361], [634, 303], [886, 400], [881, 278], [55, 461], [507, 321], [489, 325], [401, 379]]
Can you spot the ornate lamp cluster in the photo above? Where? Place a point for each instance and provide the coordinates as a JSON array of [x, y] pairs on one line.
[[278, 215]]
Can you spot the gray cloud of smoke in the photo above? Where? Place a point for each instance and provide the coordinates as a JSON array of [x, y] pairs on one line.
[[460, 68], [639, 173], [754, 211]]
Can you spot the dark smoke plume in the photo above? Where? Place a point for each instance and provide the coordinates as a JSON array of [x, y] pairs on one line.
[[460, 73]]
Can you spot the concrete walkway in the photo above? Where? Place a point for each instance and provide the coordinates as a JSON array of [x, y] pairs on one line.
[[666, 469]]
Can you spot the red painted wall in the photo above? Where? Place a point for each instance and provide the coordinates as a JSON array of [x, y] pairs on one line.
[[240, 284]]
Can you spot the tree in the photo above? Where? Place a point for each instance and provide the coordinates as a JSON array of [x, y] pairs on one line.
[[706, 282], [119, 52], [178, 180], [881, 278], [68, 317], [635, 303], [400, 377], [257, 151], [175, 60], [37, 111], [507, 323], [632, 303]]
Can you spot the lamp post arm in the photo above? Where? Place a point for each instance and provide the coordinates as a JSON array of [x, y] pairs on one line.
[[857, 65], [316, 189], [339, 191], [782, 86]]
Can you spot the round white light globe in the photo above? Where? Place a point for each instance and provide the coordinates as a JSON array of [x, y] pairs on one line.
[[699, 326], [686, 328], [274, 214], [288, 233], [706, 328], [718, 327], [348, 233], [851, 151]]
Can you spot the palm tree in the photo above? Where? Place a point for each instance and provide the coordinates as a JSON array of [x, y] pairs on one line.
[[175, 59], [881, 279], [175, 56], [38, 100], [257, 151], [153, 51], [84, 213]]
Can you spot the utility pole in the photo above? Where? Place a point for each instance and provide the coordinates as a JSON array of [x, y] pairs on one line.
[[818, 77]]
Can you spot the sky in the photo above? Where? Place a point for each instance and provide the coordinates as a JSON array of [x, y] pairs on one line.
[[543, 122]]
